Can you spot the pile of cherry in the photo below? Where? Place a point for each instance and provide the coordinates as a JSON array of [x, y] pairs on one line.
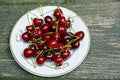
[[50, 39]]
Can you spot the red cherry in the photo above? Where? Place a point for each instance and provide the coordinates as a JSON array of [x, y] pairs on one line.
[[52, 26], [43, 47], [58, 60], [75, 44], [40, 60], [60, 47], [40, 43], [28, 53], [25, 36], [45, 28], [61, 29], [31, 38], [37, 22], [58, 13], [65, 55], [80, 34], [68, 23], [62, 21], [48, 19], [56, 36], [29, 28], [37, 33], [52, 43], [49, 55], [36, 52], [46, 37], [33, 47]]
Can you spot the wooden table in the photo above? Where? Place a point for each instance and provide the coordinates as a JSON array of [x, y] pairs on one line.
[[103, 20]]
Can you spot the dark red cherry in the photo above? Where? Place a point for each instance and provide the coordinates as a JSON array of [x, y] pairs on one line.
[[56, 36], [66, 38], [58, 13], [43, 47], [25, 36], [52, 43], [60, 47], [45, 28], [31, 38], [40, 43], [48, 19], [29, 28], [58, 60], [65, 55], [41, 60], [28, 53], [46, 37], [62, 21], [62, 29], [37, 33], [32, 47], [49, 55], [75, 44], [80, 34], [36, 52], [52, 26], [37, 22]]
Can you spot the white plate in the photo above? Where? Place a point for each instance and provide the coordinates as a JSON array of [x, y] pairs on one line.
[[17, 45]]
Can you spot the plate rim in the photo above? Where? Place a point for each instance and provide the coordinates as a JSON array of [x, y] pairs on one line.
[[55, 75]]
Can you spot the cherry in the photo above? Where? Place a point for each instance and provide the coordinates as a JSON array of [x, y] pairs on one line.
[[58, 13], [52, 26], [31, 38], [37, 22], [45, 28], [75, 44], [65, 54], [41, 60], [36, 52], [49, 55], [52, 43], [46, 37], [29, 28], [61, 29], [66, 38], [60, 47], [40, 43], [68, 23], [37, 33], [25, 36], [80, 34], [32, 47], [43, 47], [56, 36], [28, 53], [62, 21], [48, 19], [58, 60]]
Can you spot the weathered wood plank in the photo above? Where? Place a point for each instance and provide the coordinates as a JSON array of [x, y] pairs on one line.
[[103, 20]]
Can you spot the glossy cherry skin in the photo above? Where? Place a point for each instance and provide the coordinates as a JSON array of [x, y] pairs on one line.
[[58, 13], [36, 52], [62, 29], [31, 38], [80, 34], [25, 36], [48, 19], [49, 55], [29, 28], [37, 22], [60, 47], [66, 38], [37, 33], [28, 53], [56, 36], [52, 26], [43, 46], [65, 55], [40, 43], [62, 21], [52, 43], [45, 28], [32, 47], [46, 37], [75, 44], [58, 60], [40, 60]]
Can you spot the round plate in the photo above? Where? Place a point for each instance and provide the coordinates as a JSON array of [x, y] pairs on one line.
[[17, 45]]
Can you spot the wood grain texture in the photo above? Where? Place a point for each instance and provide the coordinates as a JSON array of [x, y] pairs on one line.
[[103, 20]]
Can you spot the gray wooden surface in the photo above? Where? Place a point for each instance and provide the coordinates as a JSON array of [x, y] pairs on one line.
[[103, 20]]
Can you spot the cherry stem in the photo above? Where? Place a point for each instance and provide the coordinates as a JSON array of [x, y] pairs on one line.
[[40, 7], [48, 33], [33, 62], [56, 30], [39, 54], [47, 51]]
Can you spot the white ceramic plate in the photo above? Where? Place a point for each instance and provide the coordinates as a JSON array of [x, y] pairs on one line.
[[17, 45]]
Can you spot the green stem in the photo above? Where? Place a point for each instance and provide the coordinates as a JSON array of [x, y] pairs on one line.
[[47, 51]]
